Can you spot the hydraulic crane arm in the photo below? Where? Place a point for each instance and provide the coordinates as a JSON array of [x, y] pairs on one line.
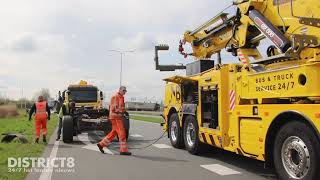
[[255, 20], [293, 27], [210, 37], [159, 67]]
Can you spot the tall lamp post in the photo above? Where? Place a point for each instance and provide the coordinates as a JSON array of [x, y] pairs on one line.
[[122, 53]]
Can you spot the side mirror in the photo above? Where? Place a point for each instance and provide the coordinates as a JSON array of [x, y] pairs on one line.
[[64, 95], [101, 95]]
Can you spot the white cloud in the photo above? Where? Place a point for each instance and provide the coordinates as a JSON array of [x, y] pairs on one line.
[[28, 42], [50, 44], [140, 42]]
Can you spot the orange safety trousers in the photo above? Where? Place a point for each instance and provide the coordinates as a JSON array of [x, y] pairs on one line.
[[117, 129], [40, 124], [40, 119]]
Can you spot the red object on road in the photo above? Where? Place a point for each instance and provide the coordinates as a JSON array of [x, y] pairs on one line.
[[41, 118], [117, 108], [117, 129]]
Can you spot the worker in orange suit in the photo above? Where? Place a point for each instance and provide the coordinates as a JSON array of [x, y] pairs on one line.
[[42, 114], [117, 109]]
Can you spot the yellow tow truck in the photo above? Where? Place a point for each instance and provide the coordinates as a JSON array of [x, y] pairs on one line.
[[265, 108], [89, 111]]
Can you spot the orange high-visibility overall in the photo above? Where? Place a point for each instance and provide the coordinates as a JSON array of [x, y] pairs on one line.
[[117, 108], [41, 118]]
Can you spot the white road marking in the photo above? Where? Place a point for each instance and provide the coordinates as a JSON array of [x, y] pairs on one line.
[[219, 169], [95, 148], [47, 172], [162, 146], [76, 139], [136, 135], [85, 139]]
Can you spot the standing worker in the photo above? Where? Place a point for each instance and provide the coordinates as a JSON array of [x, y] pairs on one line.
[[42, 114], [117, 109], [66, 109]]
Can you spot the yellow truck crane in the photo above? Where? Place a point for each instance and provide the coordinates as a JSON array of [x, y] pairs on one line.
[[89, 111], [265, 108]]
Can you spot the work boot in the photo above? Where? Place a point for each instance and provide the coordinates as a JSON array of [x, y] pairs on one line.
[[125, 153], [44, 138], [100, 148], [37, 140]]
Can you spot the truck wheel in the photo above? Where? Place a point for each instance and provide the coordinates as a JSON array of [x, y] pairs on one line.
[[67, 129], [126, 123], [191, 136], [127, 134], [175, 132], [296, 152], [106, 127]]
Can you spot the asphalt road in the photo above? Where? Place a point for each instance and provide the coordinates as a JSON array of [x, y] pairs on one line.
[[158, 162]]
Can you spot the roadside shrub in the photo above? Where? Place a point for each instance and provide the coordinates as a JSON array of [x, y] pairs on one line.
[[8, 111]]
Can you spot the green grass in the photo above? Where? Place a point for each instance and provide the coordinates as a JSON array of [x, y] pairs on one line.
[[155, 113], [15, 149], [148, 119]]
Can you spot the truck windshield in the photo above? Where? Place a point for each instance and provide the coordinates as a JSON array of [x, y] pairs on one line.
[[83, 96]]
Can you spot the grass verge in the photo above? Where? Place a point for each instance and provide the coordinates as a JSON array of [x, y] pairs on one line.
[[154, 113], [148, 119], [20, 124]]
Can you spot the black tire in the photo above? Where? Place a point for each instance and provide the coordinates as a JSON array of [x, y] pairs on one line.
[[303, 138], [127, 134], [197, 147], [67, 129], [126, 124], [106, 127], [175, 131]]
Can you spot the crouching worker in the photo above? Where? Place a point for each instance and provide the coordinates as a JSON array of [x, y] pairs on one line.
[[117, 109], [66, 109], [42, 114]]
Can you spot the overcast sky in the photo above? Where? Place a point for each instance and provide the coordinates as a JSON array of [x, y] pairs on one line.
[[51, 43]]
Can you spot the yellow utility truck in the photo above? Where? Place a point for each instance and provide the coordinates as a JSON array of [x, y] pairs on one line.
[[264, 107], [89, 112]]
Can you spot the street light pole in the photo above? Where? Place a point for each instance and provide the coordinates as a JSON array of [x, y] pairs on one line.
[[121, 68], [122, 53]]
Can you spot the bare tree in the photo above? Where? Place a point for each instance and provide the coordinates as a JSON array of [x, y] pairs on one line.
[[43, 92]]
